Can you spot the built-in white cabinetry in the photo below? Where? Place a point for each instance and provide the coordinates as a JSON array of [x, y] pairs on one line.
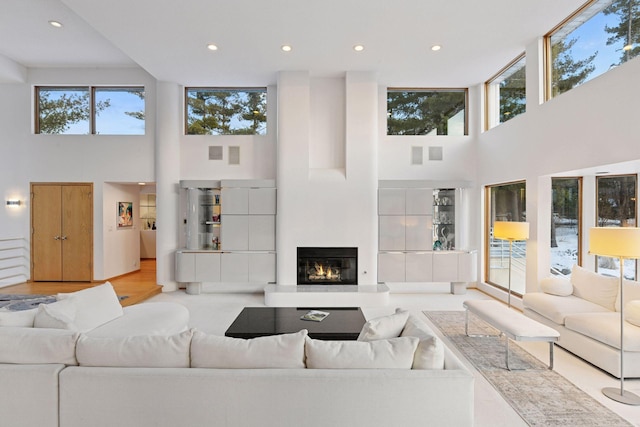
[[417, 235], [230, 227]]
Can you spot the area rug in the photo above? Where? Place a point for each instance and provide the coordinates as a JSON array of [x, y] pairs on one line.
[[542, 397], [18, 302]]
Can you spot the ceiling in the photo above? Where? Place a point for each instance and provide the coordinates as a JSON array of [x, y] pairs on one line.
[[168, 38]]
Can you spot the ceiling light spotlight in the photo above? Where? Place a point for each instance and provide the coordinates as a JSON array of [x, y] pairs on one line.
[[212, 46], [286, 48], [628, 47], [56, 24], [358, 48], [436, 47]]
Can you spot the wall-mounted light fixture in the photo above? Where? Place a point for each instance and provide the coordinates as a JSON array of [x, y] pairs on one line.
[[13, 203]]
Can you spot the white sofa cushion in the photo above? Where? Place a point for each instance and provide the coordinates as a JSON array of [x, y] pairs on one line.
[[631, 292], [590, 286], [605, 327], [556, 285], [22, 318], [632, 312], [384, 327], [57, 315], [153, 318], [430, 351], [37, 345], [394, 353], [94, 306], [146, 351], [556, 308], [274, 351]]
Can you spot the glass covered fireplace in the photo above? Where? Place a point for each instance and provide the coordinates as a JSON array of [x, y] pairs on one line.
[[327, 266]]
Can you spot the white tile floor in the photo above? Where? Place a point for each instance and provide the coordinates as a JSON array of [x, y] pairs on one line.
[[214, 312]]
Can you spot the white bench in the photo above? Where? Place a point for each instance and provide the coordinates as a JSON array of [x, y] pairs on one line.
[[512, 324]]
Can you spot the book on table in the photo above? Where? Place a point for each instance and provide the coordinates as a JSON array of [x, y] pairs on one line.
[[315, 315]]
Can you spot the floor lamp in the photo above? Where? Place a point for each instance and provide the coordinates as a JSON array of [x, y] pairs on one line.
[[510, 230], [622, 243]]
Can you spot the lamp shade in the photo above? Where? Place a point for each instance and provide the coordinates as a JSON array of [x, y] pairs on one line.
[[615, 241], [511, 230]]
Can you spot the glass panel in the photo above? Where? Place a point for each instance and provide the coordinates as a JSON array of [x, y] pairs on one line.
[[226, 111], [507, 93], [604, 35], [119, 111], [565, 224], [616, 208], [426, 112], [507, 202], [63, 110]]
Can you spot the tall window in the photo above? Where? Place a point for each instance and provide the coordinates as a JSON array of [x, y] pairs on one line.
[[505, 202], [90, 110], [617, 207], [215, 111], [602, 35], [566, 221], [427, 112], [506, 93]]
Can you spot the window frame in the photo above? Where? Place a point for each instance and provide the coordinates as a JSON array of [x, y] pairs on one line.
[[487, 88], [187, 89], [92, 110], [579, 180], [413, 89]]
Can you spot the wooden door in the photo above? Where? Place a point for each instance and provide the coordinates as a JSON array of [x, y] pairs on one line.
[[62, 232], [46, 230]]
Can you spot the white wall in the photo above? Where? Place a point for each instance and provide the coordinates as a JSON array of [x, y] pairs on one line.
[[121, 248]]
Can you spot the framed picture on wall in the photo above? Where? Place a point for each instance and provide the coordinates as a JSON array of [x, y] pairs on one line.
[[125, 214]]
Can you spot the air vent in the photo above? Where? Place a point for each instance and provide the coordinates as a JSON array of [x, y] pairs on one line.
[[416, 155], [435, 153], [234, 155], [215, 152]]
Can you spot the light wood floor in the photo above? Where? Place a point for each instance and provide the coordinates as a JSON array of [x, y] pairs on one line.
[[137, 286]]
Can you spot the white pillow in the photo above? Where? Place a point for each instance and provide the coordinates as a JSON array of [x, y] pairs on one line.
[[430, 351], [631, 292], [632, 312], [394, 353], [144, 351], [57, 315], [275, 351], [95, 306], [384, 327], [593, 287], [556, 285], [36, 345], [23, 318]]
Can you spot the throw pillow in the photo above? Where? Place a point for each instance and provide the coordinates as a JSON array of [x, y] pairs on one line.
[[593, 287], [23, 318], [430, 351], [57, 315], [37, 345], [394, 353], [95, 306], [555, 285], [384, 327], [144, 351], [632, 312], [275, 351]]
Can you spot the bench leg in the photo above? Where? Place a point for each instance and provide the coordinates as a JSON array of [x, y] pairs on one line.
[[550, 355], [466, 328]]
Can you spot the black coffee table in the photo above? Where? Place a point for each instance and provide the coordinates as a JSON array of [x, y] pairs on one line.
[[343, 323]]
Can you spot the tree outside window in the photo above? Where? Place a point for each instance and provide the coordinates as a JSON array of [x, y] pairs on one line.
[[427, 112]]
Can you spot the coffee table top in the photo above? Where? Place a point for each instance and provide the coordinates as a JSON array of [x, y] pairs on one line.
[[343, 323]]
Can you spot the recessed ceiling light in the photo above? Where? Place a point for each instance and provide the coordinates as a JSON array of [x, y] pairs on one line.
[[56, 24], [358, 48], [212, 46], [436, 47], [286, 48]]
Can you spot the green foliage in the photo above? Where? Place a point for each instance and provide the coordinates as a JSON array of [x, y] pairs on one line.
[[422, 112], [58, 113], [616, 200], [513, 96], [226, 112], [566, 72], [627, 30]]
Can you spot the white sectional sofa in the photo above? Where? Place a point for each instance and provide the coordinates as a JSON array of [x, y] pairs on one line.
[[399, 373], [585, 309]]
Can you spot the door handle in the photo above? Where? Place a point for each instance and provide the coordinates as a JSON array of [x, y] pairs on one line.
[[63, 238], [56, 238]]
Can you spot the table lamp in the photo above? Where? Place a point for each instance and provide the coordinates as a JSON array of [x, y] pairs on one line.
[[622, 243], [510, 230]]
